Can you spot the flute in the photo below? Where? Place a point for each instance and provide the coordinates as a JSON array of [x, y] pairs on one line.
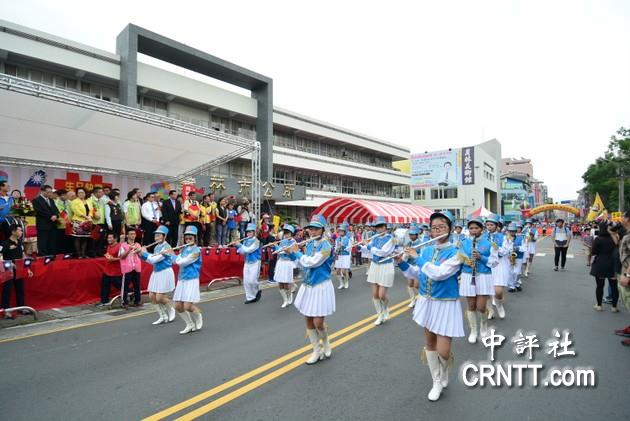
[[270, 244], [137, 250], [416, 247], [300, 244], [181, 247], [369, 239]]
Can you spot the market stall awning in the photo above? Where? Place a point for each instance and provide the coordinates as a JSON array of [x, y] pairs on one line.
[[482, 212], [357, 211], [47, 124]]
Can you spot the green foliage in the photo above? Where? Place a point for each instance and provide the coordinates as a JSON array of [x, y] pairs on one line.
[[603, 175]]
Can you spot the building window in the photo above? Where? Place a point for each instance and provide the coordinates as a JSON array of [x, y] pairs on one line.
[[438, 193], [419, 194], [307, 179], [10, 70]]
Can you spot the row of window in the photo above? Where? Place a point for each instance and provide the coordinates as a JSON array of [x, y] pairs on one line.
[[436, 193], [335, 183], [287, 140], [94, 90]]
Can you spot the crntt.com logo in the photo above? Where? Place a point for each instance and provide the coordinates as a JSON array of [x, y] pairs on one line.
[[519, 374]]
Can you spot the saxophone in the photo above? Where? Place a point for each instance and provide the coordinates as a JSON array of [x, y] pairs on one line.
[[473, 260]]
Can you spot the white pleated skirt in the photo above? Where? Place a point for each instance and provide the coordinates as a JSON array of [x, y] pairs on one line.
[[187, 291], [343, 262], [531, 248], [316, 301], [162, 282], [382, 275], [484, 285], [442, 317], [501, 273], [284, 271]]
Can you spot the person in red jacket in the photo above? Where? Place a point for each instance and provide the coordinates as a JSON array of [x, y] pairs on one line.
[[112, 274]]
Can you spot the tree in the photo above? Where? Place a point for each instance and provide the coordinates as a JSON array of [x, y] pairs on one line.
[[603, 175]]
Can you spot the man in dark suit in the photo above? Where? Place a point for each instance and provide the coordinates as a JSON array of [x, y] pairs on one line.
[[46, 215], [171, 210]]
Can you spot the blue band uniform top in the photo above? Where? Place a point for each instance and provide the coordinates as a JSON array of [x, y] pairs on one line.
[[484, 248], [316, 261], [443, 266], [286, 242], [381, 248], [189, 269], [341, 245], [160, 262], [251, 249]]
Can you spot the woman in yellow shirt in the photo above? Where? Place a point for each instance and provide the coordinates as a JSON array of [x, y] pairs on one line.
[[82, 213]]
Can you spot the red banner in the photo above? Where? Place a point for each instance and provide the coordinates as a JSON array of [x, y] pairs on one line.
[[63, 283]]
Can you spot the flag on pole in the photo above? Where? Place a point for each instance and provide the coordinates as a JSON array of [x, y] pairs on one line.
[[597, 208]]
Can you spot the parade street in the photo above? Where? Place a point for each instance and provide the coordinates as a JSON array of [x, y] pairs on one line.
[[247, 362]]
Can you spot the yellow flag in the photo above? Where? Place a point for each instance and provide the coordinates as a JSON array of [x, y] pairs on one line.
[[597, 208], [276, 223]]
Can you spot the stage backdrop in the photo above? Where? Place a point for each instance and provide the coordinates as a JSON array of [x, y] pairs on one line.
[[29, 179]]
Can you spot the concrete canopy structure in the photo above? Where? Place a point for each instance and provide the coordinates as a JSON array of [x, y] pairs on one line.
[[134, 39]]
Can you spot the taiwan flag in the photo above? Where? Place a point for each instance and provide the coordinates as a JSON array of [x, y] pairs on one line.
[[34, 183]]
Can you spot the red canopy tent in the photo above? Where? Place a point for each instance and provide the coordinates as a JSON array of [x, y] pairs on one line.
[[357, 211], [481, 212]]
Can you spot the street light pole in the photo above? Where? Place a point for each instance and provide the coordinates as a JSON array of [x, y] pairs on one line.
[[621, 188]]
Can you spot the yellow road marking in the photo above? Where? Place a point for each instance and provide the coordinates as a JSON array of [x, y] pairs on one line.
[[274, 374], [114, 319], [244, 377]]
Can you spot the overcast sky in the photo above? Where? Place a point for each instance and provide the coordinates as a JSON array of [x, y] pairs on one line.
[[549, 79]]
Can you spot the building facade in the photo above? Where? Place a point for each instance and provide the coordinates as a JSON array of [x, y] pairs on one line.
[[459, 179], [327, 160]]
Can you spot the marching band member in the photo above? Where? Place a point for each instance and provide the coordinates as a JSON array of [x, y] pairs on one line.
[[250, 248], [187, 289], [366, 234], [531, 247], [517, 248], [412, 286], [316, 296], [500, 273], [438, 311], [343, 256], [381, 271], [457, 236], [476, 280], [162, 280], [284, 268]]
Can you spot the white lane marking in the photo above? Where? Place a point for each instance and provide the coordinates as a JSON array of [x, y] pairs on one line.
[[570, 256], [541, 254]]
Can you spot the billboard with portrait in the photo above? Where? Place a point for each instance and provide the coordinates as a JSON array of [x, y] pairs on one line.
[[439, 168]]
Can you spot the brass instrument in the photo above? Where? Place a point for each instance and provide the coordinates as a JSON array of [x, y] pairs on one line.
[[513, 254]]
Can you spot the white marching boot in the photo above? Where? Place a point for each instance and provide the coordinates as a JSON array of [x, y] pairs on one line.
[[346, 281], [472, 322], [190, 326], [317, 352], [385, 307], [483, 324], [326, 349], [379, 311], [434, 366], [170, 311], [163, 317], [413, 296], [341, 283], [500, 309], [285, 298], [444, 369], [293, 287], [491, 309], [290, 296], [197, 319]]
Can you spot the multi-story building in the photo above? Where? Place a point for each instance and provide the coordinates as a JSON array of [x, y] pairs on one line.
[[458, 179], [327, 160]]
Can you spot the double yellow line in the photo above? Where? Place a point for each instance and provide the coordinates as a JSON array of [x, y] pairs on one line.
[[298, 356]]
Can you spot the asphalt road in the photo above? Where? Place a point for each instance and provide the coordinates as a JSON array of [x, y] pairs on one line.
[[242, 365]]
